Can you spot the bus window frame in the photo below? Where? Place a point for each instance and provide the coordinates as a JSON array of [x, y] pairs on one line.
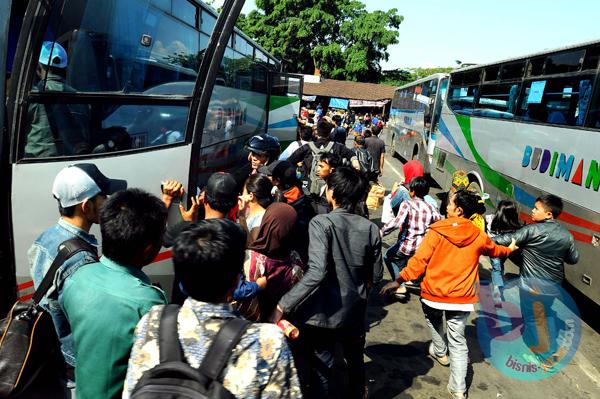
[[21, 94]]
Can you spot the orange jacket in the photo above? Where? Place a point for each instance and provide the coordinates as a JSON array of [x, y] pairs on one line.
[[449, 257]]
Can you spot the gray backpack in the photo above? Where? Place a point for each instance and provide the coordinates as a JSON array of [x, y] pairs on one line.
[[315, 182]]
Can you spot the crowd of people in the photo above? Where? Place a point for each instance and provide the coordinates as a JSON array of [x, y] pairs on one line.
[[284, 244]]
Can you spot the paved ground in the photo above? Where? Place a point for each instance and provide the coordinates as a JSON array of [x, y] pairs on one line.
[[397, 342]]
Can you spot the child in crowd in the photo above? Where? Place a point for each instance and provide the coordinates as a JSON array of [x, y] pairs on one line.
[[505, 220], [414, 217]]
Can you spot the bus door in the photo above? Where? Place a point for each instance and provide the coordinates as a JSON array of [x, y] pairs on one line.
[[436, 112], [284, 105], [120, 83]]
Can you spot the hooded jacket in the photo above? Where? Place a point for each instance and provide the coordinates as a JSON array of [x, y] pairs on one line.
[[449, 257]]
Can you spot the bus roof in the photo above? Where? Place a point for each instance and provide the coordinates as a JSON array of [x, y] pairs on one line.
[[238, 31], [425, 79], [532, 55]]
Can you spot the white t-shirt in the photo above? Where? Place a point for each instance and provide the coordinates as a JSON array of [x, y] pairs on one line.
[[463, 307], [290, 149]]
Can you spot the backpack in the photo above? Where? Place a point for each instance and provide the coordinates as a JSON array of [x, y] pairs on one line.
[[365, 160], [315, 182], [29, 346], [174, 378]]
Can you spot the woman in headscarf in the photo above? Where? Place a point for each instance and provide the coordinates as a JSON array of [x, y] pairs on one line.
[[271, 255]]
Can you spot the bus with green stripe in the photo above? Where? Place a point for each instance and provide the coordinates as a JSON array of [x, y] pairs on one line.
[[520, 128]]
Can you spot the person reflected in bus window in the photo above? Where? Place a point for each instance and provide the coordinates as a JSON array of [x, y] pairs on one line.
[[169, 133], [56, 129]]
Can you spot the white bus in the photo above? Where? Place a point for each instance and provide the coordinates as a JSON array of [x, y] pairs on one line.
[[528, 126], [414, 116], [165, 89]]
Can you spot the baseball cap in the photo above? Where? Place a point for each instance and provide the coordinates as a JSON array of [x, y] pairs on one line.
[[221, 185], [53, 55], [76, 183]]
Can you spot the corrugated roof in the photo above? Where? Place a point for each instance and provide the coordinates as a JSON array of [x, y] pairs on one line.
[[349, 90]]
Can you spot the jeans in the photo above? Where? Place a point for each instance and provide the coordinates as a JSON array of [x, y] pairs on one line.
[[314, 354], [457, 342], [395, 260], [497, 272], [540, 331], [41, 255]]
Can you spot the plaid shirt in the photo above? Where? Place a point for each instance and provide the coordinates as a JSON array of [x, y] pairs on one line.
[[414, 218]]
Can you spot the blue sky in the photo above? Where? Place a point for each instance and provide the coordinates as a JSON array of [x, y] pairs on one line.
[[438, 32]]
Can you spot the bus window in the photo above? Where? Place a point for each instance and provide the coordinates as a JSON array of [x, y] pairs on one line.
[[461, 99], [110, 52], [497, 101], [560, 101], [208, 22], [185, 11], [536, 66], [491, 73], [513, 70], [242, 84], [564, 62], [96, 47]]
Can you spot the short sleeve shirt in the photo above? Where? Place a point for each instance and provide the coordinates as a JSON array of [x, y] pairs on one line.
[[104, 301], [376, 147]]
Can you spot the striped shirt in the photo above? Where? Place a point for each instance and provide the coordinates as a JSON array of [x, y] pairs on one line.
[[414, 218]]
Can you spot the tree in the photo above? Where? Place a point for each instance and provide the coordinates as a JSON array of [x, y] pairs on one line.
[[339, 37], [400, 77]]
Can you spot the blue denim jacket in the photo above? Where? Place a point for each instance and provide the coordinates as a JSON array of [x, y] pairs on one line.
[[41, 255]]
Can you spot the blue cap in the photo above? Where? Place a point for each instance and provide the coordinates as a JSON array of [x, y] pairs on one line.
[[58, 58]]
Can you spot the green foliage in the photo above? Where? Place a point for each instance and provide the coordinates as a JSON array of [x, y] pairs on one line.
[[339, 37], [400, 77]]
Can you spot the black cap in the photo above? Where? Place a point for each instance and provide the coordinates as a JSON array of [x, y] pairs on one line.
[[221, 185], [106, 185]]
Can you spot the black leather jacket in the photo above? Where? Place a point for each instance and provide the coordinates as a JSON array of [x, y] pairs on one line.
[[344, 257], [545, 247]]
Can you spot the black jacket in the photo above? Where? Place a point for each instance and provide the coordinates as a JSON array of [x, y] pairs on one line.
[[344, 257], [545, 247], [305, 211]]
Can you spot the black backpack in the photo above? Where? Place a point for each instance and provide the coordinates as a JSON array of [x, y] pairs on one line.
[[174, 378]]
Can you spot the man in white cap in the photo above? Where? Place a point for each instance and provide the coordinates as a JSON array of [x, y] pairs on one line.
[[56, 129], [80, 190]]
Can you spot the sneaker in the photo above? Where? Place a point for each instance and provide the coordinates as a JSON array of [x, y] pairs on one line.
[[443, 360], [401, 293], [456, 395]]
